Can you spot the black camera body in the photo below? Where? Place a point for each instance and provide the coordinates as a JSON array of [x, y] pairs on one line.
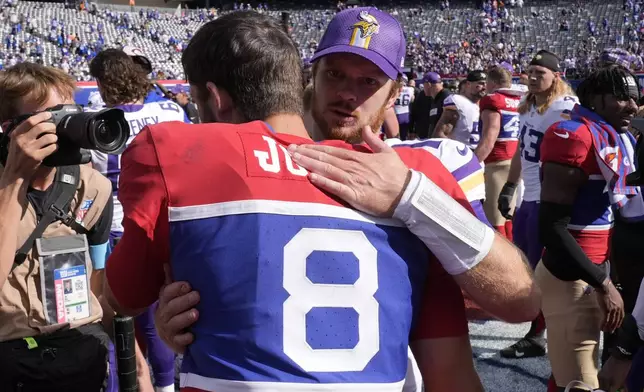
[[78, 132]]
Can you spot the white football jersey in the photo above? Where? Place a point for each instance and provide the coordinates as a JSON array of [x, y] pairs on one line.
[[533, 126], [401, 106], [466, 129], [138, 117], [458, 159]]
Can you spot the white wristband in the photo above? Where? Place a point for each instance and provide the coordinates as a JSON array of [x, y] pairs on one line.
[[456, 237]]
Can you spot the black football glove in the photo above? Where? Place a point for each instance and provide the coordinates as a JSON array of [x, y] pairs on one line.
[[505, 199]]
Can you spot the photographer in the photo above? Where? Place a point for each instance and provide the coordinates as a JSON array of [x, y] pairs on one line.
[[49, 340]]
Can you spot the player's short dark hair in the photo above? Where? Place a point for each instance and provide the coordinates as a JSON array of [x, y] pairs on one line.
[[122, 80], [606, 80], [248, 55]]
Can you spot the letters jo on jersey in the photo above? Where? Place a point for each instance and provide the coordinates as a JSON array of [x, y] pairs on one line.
[[266, 158]]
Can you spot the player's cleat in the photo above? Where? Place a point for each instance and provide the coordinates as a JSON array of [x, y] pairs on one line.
[[525, 348]]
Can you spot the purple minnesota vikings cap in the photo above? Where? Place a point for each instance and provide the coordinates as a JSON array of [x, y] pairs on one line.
[[369, 33], [432, 78]]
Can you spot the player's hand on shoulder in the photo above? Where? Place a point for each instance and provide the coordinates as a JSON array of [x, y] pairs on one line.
[[176, 313], [370, 182]]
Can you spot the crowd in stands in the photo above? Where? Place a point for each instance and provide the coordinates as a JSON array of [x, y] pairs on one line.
[[446, 37]]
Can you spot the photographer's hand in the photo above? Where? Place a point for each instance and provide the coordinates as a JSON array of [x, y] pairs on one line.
[[26, 152], [30, 143]]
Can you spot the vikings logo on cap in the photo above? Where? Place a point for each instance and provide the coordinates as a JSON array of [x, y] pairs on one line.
[[364, 29]]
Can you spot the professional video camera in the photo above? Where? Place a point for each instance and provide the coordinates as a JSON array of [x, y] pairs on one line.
[[106, 131]]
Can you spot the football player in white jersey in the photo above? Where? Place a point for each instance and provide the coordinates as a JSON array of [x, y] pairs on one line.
[[122, 84], [129, 94], [446, 358], [461, 162], [549, 100], [402, 107], [460, 118], [441, 373]]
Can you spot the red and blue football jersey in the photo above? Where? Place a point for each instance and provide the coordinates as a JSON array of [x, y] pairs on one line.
[[506, 105], [571, 143], [297, 289]]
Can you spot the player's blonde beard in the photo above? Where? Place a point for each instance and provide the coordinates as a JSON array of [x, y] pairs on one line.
[[320, 129]]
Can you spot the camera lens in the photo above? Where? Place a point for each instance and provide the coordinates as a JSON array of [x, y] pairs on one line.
[[108, 135], [106, 131], [103, 134]]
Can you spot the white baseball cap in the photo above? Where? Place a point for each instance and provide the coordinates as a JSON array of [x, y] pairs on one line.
[[139, 57]]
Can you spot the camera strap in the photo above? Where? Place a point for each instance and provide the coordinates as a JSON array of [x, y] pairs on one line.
[[57, 206]]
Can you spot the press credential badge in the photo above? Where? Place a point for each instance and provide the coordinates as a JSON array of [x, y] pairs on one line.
[[72, 296]]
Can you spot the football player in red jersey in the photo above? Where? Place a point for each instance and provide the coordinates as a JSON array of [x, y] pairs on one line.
[[441, 340], [357, 68], [133, 272], [499, 138], [583, 168]]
